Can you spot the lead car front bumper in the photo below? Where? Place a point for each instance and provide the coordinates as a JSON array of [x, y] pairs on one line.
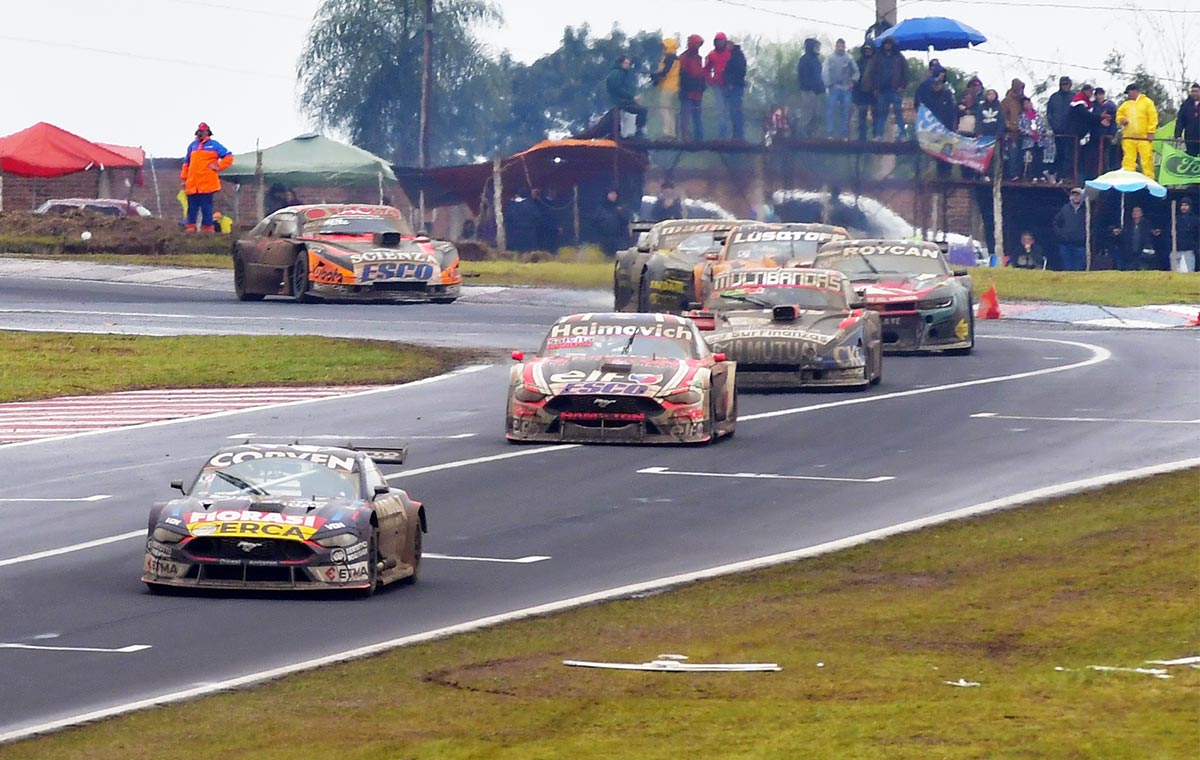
[[172, 565], [670, 424]]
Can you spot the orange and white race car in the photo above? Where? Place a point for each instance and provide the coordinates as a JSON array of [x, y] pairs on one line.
[[343, 252]]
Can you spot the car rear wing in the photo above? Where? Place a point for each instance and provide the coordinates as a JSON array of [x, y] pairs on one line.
[[636, 228], [382, 450]]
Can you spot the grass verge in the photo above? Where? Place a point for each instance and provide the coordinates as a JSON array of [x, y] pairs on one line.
[[1022, 602], [43, 365]]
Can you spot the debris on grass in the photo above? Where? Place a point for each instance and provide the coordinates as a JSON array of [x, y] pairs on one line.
[[673, 663]]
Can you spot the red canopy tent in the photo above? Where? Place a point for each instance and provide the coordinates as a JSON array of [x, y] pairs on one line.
[[45, 151]]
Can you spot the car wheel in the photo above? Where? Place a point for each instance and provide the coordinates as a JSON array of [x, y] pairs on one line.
[[239, 281], [300, 283], [372, 567], [731, 418], [416, 573], [643, 297]]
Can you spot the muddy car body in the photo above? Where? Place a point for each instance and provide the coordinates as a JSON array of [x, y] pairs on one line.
[[292, 516], [757, 245], [343, 252], [622, 378], [659, 273], [792, 328], [924, 305]]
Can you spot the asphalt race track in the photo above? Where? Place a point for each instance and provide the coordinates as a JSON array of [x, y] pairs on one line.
[[1034, 406]]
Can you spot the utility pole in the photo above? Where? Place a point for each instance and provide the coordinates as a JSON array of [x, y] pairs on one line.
[[426, 96]]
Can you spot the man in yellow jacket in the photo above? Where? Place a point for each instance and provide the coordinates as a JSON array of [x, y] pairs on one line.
[[205, 157], [666, 79], [1139, 121]]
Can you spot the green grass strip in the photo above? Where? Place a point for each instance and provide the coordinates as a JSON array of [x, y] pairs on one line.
[[43, 365], [1021, 602]]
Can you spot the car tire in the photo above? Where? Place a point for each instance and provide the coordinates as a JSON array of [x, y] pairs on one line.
[[731, 418], [372, 567], [239, 281], [300, 283], [643, 294], [417, 550]]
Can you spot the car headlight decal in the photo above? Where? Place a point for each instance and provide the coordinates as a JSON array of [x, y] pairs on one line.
[[167, 536], [684, 396], [340, 539], [935, 303]]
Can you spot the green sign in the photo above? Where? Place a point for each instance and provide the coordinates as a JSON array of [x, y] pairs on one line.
[[1177, 167]]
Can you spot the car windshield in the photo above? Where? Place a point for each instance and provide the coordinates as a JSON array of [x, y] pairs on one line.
[[699, 243], [778, 245], [277, 476], [765, 297], [354, 225], [597, 339], [699, 236], [858, 265]]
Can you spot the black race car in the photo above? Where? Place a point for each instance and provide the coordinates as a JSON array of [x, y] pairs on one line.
[[659, 273]]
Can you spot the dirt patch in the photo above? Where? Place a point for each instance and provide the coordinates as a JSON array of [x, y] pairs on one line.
[[49, 234]]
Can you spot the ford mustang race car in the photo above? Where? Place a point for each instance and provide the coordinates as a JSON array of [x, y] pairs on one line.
[[659, 273], [757, 244], [343, 252], [924, 305], [297, 516], [629, 378], [793, 328]]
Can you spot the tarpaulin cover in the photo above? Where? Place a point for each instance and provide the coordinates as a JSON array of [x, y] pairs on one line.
[[311, 160], [560, 164], [45, 150]]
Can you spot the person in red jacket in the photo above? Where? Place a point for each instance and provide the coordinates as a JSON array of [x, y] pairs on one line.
[[692, 83], [205, 157], [714, 69]]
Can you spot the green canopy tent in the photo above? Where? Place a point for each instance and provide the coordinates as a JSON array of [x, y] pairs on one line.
[[310, 160]]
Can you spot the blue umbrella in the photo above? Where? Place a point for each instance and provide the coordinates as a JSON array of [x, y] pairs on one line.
[[1127, 182], [937, 32]]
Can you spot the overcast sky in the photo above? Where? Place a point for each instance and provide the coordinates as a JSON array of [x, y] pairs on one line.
[[144, 72]]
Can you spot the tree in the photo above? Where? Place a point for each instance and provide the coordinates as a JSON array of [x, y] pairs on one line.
[[1149, 85], [360, 73]]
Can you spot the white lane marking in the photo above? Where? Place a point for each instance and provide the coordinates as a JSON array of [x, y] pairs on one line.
[[518, 561], [351, 437], [72, 548], [620, 592], [482, 460], [1099, 354], [93, 497], [996, 416], [122, 650], [265, 407], [760, 475]]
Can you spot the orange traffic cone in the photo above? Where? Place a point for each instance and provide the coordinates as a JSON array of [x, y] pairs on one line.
[[989, 305]]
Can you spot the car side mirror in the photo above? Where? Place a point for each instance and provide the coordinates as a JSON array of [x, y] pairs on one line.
[[959, 273], [382, 490], [712, 257], [719, 357], [178, 486], [518, 356], [858, 304]]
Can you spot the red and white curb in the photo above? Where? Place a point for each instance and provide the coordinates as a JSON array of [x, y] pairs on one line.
[[70, 415]]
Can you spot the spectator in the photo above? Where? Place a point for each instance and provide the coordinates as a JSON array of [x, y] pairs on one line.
[[1187, 123], [714, 72], [1137, 244], [888, 78], [622, 92], [735, 90], [1058, 117], [1011, 108], [840, 74], [967, 122], [1104, 130], [989, 121], [1079, 124], [691, 89], [1070, 227], [1138, 119], [812, 90], [941, 104], [1037, 144], [862, 97], [936, 72], [204, 158], [1187, 238], [778, 125], [1029, 255], [611, 223], [667, 206], [666, 79]]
